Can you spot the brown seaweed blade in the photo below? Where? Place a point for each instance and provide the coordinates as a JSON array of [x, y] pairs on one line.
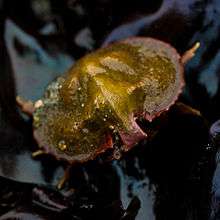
[[101, 96]]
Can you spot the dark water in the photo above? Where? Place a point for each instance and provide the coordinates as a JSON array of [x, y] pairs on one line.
[[168, 177]]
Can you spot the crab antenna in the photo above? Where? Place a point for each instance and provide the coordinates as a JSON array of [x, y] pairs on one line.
[[189, 54]]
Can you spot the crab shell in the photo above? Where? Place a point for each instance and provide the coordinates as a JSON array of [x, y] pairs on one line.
[[99, 99]]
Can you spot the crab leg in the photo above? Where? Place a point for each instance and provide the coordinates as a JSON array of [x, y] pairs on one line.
[[188, 109], [189, 54], [26, 107], [38, 153], [64, 178]]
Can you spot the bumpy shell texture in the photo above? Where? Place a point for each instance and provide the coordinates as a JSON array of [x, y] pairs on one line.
[[101, 96]]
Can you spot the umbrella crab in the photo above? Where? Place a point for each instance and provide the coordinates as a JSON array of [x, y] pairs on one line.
[[98, 100]]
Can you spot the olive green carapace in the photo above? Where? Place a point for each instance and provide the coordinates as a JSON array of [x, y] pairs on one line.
[[102, 95]]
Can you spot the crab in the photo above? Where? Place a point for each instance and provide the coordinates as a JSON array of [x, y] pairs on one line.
[[98, 101]]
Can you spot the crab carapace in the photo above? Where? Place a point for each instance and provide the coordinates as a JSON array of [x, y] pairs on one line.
[[100, 98]]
